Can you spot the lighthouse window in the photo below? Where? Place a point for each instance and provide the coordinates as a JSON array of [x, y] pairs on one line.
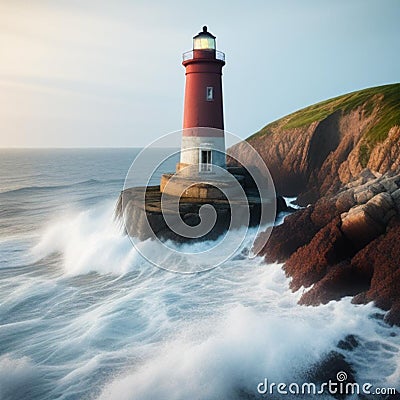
[[205, 165], [210, 93], [203, 43]]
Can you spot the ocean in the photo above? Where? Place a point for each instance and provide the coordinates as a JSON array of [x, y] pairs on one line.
[[84, 316]]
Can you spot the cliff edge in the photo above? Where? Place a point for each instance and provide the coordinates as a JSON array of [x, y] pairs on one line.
[[341, 158], [316, 150]]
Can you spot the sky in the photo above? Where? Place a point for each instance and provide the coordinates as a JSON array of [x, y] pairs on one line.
[[101, 73]]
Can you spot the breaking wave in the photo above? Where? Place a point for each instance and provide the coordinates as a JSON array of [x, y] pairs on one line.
[[131, 331]]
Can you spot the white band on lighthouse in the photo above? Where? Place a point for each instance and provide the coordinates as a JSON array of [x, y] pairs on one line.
[[192, 146]]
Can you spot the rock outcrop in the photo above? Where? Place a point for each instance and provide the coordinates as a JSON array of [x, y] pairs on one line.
[[345, 245], [341, 158]]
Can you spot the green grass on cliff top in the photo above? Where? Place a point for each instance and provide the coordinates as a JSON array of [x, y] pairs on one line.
[[387, 117]]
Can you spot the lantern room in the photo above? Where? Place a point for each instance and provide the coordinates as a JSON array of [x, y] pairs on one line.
[[204, 40]]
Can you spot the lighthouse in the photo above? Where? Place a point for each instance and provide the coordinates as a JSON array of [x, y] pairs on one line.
[[203, 107], [206, 196], [202, 153]]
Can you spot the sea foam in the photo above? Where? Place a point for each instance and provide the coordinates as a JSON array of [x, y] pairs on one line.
[[88, 240], [142, 333]]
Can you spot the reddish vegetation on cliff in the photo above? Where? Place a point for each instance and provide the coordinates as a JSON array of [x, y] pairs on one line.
[[343, 157]]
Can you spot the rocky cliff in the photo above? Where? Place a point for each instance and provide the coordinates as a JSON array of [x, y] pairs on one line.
[[345, 245], [340, 157], [315, 151]]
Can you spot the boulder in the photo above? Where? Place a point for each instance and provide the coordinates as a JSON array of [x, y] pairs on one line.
[[310, 263], [365, 222], [381, 259], [327, 369], [288, 237], [340, 280], [359, 227]]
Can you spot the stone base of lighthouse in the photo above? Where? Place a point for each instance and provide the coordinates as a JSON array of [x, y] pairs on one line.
[[145, 219], [201, 188]]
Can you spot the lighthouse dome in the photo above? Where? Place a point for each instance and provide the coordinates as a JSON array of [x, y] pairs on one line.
[[204, 40]]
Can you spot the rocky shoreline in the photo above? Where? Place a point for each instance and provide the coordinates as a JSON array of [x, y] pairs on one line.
[[345, 245], [341, 159]]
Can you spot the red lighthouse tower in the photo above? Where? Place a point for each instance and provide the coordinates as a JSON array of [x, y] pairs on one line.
[[203, 104], [203, 92], [202, 155]]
